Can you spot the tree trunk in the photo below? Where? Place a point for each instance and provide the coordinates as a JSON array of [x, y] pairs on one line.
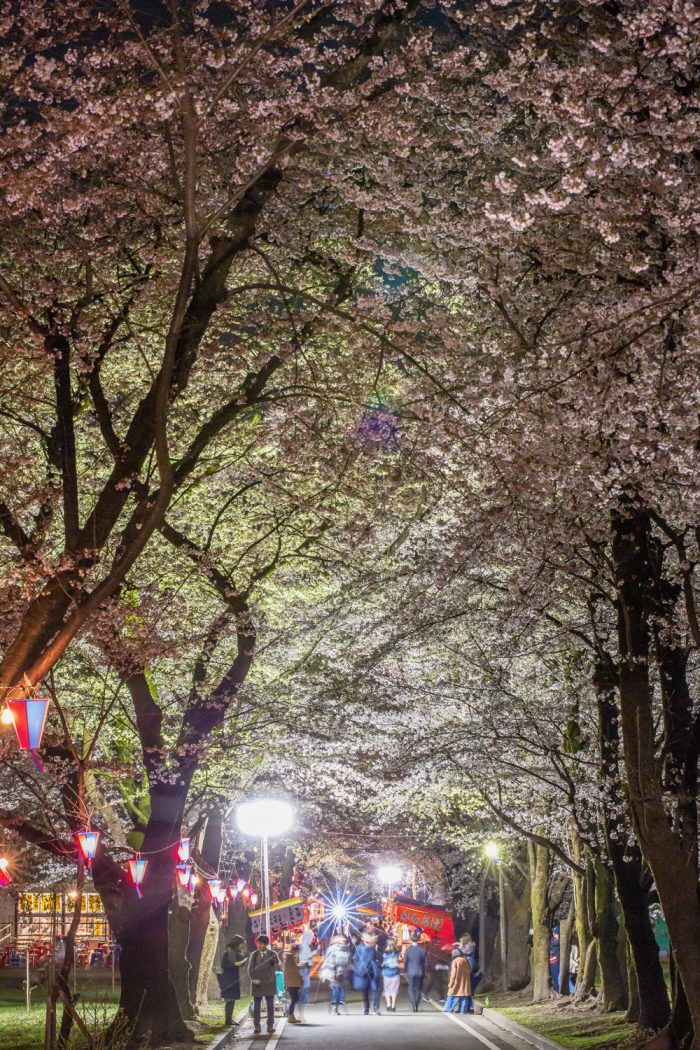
[[606, 931], [541, 930], [148, 997], [634, 1007], [649, 1003], [670, 850], [179, 934], [210, 855], [565, 935], [588, 950], [517, 894]]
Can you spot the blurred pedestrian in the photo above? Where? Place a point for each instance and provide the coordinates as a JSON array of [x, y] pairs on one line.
[[292, 981], [459, 990], [306, 955], [366, 974], [390, 974], [334, 970], [233, 958], [415, 962], [438, 971]]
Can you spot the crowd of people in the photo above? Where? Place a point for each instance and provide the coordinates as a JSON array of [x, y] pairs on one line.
[[368, 960]]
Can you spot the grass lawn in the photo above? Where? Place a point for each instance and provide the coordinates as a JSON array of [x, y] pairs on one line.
[[578, 1027], [20, 1030]]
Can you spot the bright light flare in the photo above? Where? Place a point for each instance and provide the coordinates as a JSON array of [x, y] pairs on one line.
[[390, 874], [265, 817], [492, 850], [339, 912], [6, 716]]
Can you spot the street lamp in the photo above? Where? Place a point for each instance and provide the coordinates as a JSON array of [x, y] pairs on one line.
[[391, 875], [265, 818], [492, 852]]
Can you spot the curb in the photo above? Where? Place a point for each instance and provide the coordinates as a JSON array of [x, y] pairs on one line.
[[526, 1034], [225, 1037]]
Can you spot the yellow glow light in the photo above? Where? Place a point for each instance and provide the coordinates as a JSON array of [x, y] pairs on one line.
[[6, 717]]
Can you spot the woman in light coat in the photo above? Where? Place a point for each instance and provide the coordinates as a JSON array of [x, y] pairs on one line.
[[459, 990]]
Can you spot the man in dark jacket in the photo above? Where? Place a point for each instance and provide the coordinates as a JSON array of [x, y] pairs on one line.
[[415, 962], [262, 967]]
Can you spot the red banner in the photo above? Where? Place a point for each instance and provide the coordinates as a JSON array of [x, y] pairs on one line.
[[435, 921]]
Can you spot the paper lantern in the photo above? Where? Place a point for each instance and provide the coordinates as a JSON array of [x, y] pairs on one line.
[[183, 850], [193, 882], [254, 899], [220, 895], [184, 873], [5, 877], [137, 870], [240, 885], [232, 891], [28, 718], [87, 840], [214, 887]]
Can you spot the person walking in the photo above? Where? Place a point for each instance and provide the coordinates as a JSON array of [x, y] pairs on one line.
[[334, 969], [390, 974], [459, 990], [438, 971], [233, 958], [306, 955], [262, 967], [415, 962], [367, 973], [292, 981]]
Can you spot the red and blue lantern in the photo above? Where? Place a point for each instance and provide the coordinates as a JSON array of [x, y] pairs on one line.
[[137, 870], [183, 850], [87, 840], [5, 877], [214, 887], [184, 873], [28, 718]]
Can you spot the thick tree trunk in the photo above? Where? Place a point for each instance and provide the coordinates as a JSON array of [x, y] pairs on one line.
[[648, 997], [179, 931], [606, 931], [634, 1008], [541, 928], [210, 855], [670, 849], [517, 897], [148, 998]]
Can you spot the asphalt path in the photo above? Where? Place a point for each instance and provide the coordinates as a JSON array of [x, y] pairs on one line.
[[429, 1029]]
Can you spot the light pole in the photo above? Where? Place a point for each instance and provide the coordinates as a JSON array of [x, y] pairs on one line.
[[389, 874], [265, 818], [492, 852]]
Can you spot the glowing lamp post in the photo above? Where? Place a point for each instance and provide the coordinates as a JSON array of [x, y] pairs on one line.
[[264, 819], [492, 853], [390, 874]]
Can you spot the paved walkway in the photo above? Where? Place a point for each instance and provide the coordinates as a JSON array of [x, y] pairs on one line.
[[429, 1029]]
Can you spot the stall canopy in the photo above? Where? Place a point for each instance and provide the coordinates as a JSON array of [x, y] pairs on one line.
[[283, 916], [433, 919]]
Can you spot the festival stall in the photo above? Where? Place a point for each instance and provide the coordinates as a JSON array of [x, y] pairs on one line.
[[407, 915]]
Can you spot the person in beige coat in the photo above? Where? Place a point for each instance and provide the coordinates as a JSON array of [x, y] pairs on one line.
[[292, 981], [459, 990]]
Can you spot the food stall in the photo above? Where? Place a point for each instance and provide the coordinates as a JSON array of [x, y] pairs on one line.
[[407, 915]]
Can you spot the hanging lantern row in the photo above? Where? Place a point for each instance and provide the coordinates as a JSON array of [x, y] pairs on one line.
[[137, 870], [87, 840], [28, 716], [5, 877]]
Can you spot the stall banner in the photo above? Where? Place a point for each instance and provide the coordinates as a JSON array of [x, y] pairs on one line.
[[436, 921], [282, 916]]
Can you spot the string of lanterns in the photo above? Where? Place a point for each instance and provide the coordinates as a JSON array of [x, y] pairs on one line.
[[184, 870], [27, 715]]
